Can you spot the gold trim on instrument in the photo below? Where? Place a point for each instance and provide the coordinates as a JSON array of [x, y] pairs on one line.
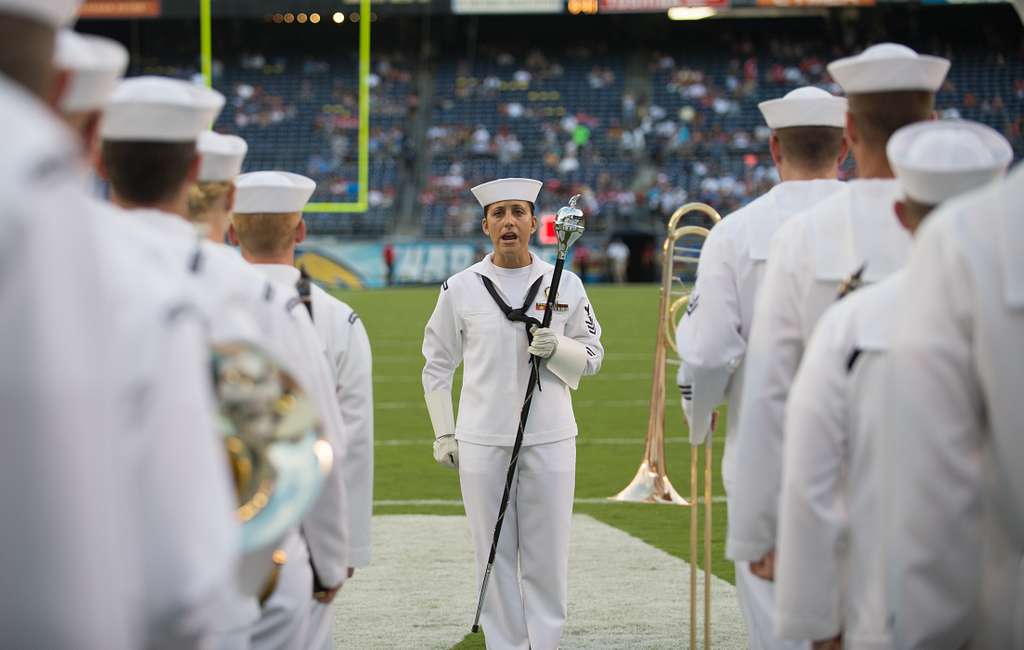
[[651, 483]]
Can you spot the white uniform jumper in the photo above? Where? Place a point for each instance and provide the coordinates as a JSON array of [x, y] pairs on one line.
[[855, 229], [954, 419], [830, 567], [60, 495], [240, 304], [348, 351], [468, 327], [712, 341]]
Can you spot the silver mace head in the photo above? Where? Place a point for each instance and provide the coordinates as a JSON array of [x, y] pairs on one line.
[[569, 226]]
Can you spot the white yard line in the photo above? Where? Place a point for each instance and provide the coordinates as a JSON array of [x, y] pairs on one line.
[[458, 502], [419, 592], [582, 441], [622, 403]]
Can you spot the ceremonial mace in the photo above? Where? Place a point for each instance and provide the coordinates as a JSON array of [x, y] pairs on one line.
[[569, 227]]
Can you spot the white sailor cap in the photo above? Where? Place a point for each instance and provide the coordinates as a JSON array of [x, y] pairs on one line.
[[159, 109], [56, 13], [272, 192], [507, 189], [889, 67], [222, 156], [936, 160], [96, 65], [807, 106]]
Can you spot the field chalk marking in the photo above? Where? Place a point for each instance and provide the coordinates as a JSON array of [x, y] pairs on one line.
[[420, 590]]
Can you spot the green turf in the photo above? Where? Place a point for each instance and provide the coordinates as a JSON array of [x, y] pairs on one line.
[[611, 405]]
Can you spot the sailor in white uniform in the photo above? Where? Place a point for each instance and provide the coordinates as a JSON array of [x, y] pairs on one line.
[[830, 573], [212, 198], [953, 420], [525, 606], [852, 235], [61, 499], [162, 386], [807, 146], [149, 155], [267, 225]]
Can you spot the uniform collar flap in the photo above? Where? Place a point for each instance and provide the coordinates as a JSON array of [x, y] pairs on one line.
[[282, 273], [877, 312], [486, 268], [857, 227], [780, 203], [165, 222]]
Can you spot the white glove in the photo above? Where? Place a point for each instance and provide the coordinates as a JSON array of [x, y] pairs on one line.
[[442, 419], [545, 342], [446, 451]]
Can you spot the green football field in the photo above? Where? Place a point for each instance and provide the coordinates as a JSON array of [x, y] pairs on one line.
[[611, 410]]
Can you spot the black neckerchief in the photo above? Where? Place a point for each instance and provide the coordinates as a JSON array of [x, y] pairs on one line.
[[517, 315], [305, 291]]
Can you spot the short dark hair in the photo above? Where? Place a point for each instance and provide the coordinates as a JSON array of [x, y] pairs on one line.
[[811, 147], [147, 172], [878, 115], [27, 57]]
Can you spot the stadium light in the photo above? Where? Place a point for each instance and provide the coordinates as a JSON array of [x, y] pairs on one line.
[[690, 13], [314, 18], [289, 18], [302, 18], [339, 17]]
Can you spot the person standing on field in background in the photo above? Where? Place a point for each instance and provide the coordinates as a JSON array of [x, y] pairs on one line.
[[266, 225], [618, 258], [828, 591], [483, 320], [807, 146], [849, 237]]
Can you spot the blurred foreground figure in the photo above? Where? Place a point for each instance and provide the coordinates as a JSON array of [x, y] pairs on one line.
[[180, 515], [807, 146], [831, 566], [65, 583], [267, 225], [851, 236], [954, 421]]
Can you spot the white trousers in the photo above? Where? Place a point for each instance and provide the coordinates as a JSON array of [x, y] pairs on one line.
[[284, 621], [321, 626], [525, 606], [757, 602]]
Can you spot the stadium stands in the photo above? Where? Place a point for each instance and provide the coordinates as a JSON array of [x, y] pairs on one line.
[[637, 133]]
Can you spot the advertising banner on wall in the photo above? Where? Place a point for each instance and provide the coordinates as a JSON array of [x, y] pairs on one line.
[[364, 266], [120, 9], [654, 6], [508, 6]]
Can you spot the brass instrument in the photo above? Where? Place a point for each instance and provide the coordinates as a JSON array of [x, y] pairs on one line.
[[651, 483]]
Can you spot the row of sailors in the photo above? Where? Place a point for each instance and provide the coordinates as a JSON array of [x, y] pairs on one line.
[[873, 455], [187, 456]]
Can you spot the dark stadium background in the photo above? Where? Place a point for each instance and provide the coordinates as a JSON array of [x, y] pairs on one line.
[[638, 113]]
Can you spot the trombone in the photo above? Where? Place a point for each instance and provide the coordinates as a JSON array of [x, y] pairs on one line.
[[651, 483]]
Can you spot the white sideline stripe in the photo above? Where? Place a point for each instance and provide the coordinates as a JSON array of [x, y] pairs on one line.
[[589, 501], [623, 403], [611, 356], [580, 442], [420, 590], [413, 378]]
